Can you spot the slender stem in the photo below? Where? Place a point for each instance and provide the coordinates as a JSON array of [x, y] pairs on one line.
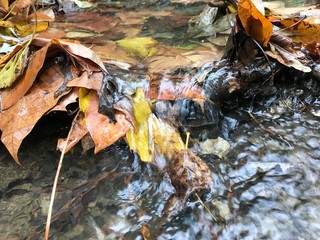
[[53, 193]]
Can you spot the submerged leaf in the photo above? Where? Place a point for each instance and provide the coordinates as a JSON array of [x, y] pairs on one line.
[[140, 47], [188, 173]]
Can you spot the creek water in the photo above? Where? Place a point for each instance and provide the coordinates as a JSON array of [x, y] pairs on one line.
[[265, 187]]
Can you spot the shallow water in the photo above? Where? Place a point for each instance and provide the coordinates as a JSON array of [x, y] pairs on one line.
[[266, 187]]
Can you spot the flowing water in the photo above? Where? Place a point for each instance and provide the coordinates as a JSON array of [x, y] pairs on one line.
[[265, 187]]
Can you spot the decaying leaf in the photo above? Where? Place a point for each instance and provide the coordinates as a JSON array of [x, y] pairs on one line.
[[14, 68], [139, 138], [287, 58], [188, 173], [254, 22]]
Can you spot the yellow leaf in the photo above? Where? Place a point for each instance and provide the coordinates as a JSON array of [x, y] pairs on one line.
[[24, 28], [139, 139], [84, 98], [6, 24], [166, 138], [14, 67], [139, 47]]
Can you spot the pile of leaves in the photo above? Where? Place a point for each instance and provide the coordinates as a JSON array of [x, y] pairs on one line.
[[43, 75]]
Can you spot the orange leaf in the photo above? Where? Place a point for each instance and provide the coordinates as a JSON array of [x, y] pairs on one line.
[[71, 97], [18, 121], [93, 81], [254, 22], [165, 88], [103, 132], [307, 30], [11, 95]]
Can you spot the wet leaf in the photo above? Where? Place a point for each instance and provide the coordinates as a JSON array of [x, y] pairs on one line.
[[188, 173], [140, 46], [18, 121], [51, 33], [42, 15], [103, 132], [166, 138], [287, 58], [82, 54], [64, 101], [20, 5], [6, 24], [93, 81], [254, 22], [139, 138], [4, 4], [168, 59]]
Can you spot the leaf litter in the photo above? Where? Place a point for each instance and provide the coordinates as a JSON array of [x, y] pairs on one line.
[[31, 92]]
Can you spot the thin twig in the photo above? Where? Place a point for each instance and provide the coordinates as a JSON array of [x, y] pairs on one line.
[[205, 207], [46, 234]]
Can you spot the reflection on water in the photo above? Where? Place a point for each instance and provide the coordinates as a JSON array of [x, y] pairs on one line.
[[266, 187]]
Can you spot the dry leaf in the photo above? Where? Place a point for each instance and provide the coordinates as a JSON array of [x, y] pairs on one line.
[[14, 67], [17, 122]]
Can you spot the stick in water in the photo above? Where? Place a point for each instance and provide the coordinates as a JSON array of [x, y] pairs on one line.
[[46, 234]]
